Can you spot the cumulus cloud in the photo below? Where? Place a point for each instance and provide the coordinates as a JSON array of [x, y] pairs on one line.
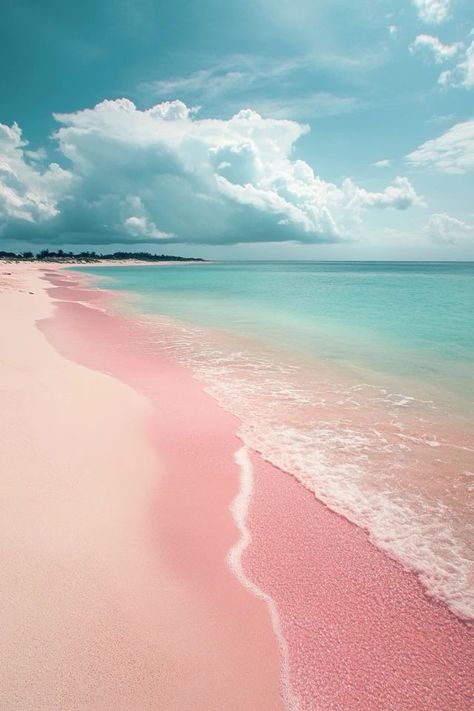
[[451, 152], [385, 163], [463, 73], [400, 195], [27, 193], [162, 175], [444, 229], [440, 52], [433, 12]]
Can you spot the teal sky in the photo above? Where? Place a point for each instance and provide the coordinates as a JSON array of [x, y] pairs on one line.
[[359, 142]]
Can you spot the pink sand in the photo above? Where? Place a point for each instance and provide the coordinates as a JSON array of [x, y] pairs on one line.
[[114, 592], [188, 518], [361, 632]]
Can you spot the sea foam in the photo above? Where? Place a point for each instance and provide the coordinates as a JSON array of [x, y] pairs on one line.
[[386, 461], [239, 509]]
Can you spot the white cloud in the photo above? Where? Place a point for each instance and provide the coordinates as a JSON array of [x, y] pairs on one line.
[[385, 163], [393, 30], [140, 226], [444, 229], [445, 78], [433, 11], [441, 52], [399, 195], [451, 152], [162, 175], [463, 74], [27, 192]]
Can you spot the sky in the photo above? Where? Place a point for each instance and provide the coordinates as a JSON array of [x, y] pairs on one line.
[[258, 129]]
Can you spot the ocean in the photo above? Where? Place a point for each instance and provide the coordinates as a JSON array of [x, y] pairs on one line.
[[356, 378]]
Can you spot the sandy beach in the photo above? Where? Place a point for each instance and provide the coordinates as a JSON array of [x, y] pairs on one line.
[[93, 616], [150, 561]]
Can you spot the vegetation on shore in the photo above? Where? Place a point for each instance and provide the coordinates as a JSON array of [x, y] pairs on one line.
[[46, 255]]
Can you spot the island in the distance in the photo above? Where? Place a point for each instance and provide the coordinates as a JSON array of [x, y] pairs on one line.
[[46, 255]]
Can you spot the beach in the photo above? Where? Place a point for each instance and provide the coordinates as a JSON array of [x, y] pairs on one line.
[[93, 618], [152, 559]]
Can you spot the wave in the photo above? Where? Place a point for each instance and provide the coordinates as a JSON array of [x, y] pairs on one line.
[[389, 462]]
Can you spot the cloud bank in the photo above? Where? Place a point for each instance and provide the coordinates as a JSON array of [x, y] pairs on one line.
[[164, 176]]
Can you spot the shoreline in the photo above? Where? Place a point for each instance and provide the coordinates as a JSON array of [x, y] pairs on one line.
[[420, 538], [330, 586], [101, 619]]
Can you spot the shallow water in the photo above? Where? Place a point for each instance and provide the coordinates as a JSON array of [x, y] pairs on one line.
[[354, 377]]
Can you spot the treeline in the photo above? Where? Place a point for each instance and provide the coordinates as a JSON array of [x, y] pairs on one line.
[[46, 255]]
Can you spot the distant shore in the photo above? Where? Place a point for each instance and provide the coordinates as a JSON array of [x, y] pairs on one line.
[[49, 257], [105, 262]]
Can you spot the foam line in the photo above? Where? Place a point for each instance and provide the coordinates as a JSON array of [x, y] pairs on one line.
[[239, 509]]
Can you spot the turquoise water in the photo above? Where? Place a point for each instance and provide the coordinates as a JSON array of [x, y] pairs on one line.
[[402, 319], [356, 378]]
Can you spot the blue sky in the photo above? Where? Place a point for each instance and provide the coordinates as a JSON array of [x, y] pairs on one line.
[[299, 129]]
